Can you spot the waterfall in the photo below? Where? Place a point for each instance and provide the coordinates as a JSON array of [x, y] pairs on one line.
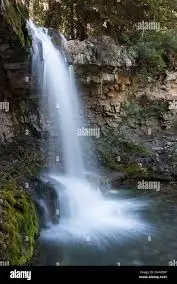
[[86, 213], [56, 83]]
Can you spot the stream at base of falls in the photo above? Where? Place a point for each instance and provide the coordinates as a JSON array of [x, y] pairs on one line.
[[156, 249]]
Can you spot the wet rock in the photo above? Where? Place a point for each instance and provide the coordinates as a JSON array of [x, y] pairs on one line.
[[4, 47], [102, 52]]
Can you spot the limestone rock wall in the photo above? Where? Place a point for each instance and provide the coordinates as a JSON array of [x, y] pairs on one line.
[[142, 114], [137, 118], [107, 95], [19, 107]]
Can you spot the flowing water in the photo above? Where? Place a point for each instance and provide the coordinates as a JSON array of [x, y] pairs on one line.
[[93, 228]]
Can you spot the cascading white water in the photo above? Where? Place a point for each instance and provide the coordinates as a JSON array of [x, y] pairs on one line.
[[88, 214], [56, 83], [46, 214]]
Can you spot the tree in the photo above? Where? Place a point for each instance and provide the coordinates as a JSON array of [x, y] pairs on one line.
[[114, 17]]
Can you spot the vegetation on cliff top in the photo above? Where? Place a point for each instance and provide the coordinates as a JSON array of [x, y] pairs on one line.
[[150, 27], [76, 19]]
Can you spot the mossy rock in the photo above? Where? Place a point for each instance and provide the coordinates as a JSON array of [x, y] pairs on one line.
[[139, 113], [16, 14], [109, 151], [134, 171], [132, 148], [19, 227]]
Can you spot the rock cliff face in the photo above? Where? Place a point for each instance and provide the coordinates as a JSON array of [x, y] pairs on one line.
[[18, 110], [137, 118], [22, 123], [103, 52]]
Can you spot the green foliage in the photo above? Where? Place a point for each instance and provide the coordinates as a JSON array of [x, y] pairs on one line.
[[19, 221], [130, 170], [81, 19], [131, 148], [152, 109], [154, 52], [150, 60], [113, 145], [119, 17]]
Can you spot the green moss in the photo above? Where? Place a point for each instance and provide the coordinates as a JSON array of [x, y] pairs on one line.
[[15, 15], [1, 236], [152, 50], [109, 150], [112, 164], [19, 221], [106, 154], [9, 198], [153, 109], [134, 170], [132, 148]]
